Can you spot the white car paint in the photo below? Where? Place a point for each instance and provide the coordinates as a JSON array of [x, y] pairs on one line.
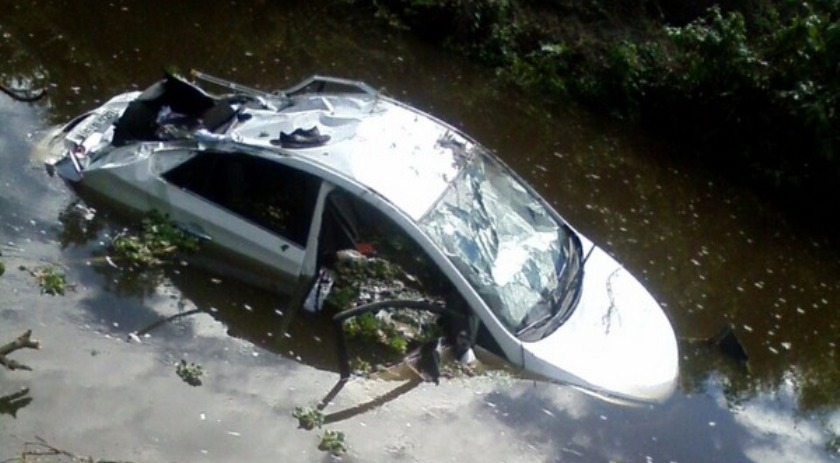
[[617, 342]]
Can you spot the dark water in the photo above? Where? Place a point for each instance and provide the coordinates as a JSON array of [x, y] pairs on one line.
[[713, 254]]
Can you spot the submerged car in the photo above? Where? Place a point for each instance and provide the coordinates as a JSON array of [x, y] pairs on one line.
[[283, 181]]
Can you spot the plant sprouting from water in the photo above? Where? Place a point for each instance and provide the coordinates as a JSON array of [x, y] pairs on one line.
[[51, 281], [333, 442], [309, 417], [191, 373]]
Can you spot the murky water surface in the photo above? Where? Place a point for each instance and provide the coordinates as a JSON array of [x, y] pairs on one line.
[[710, 252]]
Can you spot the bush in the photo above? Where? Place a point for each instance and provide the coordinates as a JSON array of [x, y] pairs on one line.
[[750, 83]]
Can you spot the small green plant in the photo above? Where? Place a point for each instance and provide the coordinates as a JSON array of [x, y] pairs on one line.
[[2, 268], [51, 281], [308, 417], [364, 326], [333, 442], [397, 342], [191, 373], [343, 297]]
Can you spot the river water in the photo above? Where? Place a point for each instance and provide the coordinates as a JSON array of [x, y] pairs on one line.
[[712, 253]]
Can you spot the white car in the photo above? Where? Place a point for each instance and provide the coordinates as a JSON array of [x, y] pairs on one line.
[[283, 180]]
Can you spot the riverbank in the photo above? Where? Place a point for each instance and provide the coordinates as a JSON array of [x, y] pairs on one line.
[[746, 87]]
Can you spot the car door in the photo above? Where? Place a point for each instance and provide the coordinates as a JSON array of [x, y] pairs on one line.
[[255, 209]]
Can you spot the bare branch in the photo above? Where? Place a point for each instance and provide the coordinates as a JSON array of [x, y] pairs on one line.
[[23, 341]]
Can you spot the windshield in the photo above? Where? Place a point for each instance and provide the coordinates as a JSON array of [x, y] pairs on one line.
[[515, 254]]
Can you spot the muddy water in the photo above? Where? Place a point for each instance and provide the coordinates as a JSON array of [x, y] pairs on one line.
[[712, 254]]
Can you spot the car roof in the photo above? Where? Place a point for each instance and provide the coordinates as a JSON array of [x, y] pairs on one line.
[[401, 153]]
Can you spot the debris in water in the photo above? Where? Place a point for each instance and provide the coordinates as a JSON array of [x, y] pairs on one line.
[[308, 417], [333, 442], [191, 373]]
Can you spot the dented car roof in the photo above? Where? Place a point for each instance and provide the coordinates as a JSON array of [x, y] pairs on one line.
[[406, 157]]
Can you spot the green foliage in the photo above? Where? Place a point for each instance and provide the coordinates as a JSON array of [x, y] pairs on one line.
[[363, 326], [308, 417], [360, 366], [385, 332], [157, 239], [333, 442], [51, 281], [751, 84], [2, 268], [397, 342], [191, 373], [714, 52], [343, 296]]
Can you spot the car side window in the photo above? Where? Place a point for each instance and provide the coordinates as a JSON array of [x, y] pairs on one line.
[[271, 195]]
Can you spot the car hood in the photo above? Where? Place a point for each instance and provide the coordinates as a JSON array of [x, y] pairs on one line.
[[618, 341]]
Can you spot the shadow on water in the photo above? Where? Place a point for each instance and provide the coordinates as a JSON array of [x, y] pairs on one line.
[[10, 404], [129, 307]]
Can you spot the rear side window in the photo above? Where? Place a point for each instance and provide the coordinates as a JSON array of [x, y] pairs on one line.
[[273, 196]]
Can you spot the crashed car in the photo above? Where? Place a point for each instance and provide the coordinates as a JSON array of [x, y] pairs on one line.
[[283, 181]]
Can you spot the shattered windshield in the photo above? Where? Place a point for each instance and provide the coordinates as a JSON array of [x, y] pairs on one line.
[[514, 253]]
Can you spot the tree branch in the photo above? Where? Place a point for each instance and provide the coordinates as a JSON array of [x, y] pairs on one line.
[[23, 341]]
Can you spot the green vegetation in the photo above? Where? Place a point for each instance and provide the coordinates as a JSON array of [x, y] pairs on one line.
[[157, 239], [2, 268], [309, 417], [51, 281], [750, 84], [191, 373], [333, 442], [368, 328], [375, 276], [360, 366]]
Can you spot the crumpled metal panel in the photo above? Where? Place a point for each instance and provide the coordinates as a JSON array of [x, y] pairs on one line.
[[503, 239]]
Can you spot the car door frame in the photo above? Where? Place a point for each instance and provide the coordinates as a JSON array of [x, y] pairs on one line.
[[184, 205]]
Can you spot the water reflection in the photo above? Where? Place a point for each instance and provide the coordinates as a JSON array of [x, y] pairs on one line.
[[713, 254], [80, 225]]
